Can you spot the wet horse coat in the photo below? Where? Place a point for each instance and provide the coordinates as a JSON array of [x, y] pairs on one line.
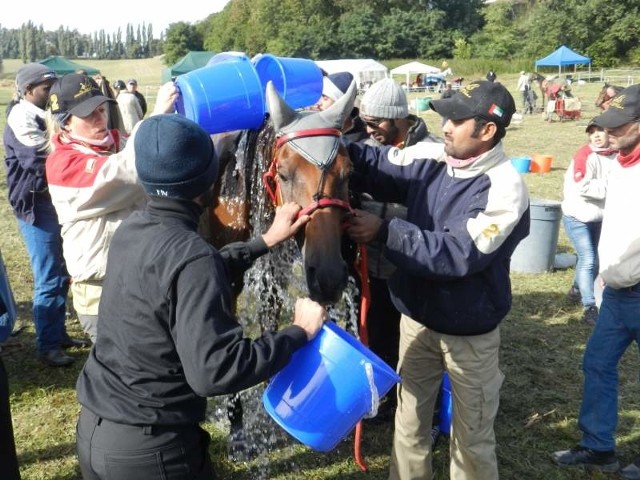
[[294, 156]]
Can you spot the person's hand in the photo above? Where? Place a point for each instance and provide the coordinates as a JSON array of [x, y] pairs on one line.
[[309, 316], [284, 224], [166, 99], [363, 226]]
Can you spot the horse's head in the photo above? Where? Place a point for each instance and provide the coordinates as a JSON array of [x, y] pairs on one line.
[[606, 95], [311, 167]]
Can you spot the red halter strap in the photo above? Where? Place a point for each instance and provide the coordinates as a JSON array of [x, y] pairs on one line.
[[270, 178]]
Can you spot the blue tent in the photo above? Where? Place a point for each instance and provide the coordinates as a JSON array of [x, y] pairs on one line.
[[563, 56]]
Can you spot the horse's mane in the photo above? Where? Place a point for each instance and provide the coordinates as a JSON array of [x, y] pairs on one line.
[[244, 156]]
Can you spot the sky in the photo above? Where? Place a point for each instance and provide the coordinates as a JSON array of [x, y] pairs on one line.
[[88, 17]]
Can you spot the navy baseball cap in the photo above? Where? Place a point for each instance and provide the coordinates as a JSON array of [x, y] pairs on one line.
[[76, 94], [481, 98]]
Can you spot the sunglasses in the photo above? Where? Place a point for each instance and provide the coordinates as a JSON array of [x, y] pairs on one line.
[[374, 122]]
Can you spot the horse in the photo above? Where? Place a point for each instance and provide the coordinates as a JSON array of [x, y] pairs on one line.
[[294, 156], [606, 94], [542, 82]]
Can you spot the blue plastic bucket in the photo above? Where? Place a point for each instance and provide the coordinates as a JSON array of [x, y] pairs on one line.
[[227, 56], [446, 405], [297, 80], [222, 96], [522, 164], [328, 386]]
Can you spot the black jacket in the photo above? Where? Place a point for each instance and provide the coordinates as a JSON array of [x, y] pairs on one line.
[[167, 337]]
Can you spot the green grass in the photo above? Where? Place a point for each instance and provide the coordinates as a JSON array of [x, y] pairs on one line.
[[543, 343]]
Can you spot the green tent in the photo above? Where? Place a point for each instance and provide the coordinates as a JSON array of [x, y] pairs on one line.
[[190, 61], [62, 65]]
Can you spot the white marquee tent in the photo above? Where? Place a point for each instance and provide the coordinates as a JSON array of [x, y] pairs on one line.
[[413, 68], [363, 70]]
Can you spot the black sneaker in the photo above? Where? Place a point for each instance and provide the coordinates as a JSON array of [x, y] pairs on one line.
[[590, 315], [631, 471], [55, 358], [585, 457], [573, 295]]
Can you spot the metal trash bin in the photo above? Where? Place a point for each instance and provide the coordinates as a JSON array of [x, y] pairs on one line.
[[536, 253]]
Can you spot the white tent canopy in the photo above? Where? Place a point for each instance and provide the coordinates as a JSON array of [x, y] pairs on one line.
[[414, 68], [363, 70]]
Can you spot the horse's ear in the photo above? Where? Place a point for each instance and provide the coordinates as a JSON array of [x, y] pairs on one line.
[[281, 113], [342, 108]]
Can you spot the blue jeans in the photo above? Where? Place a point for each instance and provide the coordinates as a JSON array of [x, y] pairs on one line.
[[618, 325], [585, 238], [50, 277]]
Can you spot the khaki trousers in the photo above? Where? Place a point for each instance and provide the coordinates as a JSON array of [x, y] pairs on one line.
[[472, 364]]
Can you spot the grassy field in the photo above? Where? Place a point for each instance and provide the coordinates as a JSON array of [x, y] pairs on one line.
[[543, 344]]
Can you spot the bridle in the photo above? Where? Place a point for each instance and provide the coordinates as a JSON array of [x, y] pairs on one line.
[[320, 199]]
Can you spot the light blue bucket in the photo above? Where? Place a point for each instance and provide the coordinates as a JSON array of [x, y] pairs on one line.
[[329, 385], [522, 164], [297, 80], [222, 96]]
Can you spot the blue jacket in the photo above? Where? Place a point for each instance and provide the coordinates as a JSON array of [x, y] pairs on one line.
[[25, 154], [453, 251]]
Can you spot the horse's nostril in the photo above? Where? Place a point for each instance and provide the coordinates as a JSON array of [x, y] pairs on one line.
[[327, 286]]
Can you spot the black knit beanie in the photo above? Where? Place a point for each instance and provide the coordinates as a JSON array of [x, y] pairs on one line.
[[174, 157]]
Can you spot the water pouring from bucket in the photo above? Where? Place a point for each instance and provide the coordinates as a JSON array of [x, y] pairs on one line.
[[327, 388]]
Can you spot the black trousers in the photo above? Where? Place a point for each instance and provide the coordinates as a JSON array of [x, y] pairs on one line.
[[112, 451], [383, 323], [8, 456], [383, 327]]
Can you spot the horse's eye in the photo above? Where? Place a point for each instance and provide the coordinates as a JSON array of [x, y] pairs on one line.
[[282, 177]]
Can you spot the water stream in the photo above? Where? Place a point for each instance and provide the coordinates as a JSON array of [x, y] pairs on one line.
[[266, 303]]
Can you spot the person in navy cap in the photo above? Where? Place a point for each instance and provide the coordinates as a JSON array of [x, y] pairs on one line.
[[467, 210], [92, 182]]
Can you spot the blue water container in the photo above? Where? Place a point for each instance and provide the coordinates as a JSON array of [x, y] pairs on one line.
[[446, 405], [329, 385], [297, 80]]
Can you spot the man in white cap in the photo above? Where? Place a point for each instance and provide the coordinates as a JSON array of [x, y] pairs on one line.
[[25, 154], [334, 86]]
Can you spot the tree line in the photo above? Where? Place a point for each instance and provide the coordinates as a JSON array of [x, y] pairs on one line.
[[608, 31], [31, 43]]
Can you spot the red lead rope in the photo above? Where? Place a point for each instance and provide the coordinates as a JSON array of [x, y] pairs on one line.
[[365, 299]]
